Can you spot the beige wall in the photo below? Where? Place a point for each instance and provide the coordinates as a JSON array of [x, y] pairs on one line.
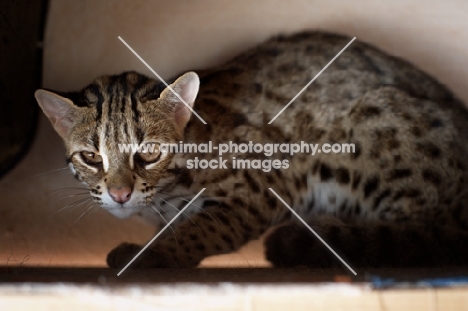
[[173, 36], [81, 43]]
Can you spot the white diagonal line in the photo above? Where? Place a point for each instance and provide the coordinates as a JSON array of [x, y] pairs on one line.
[[162, 230], [160, 78], [316, 76], [312, 230]]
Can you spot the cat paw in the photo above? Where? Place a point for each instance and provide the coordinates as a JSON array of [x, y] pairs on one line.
[[294, 246], [120, 256]]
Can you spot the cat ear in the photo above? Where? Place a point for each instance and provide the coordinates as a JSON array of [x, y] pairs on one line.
[[186, 87], [60, 111]]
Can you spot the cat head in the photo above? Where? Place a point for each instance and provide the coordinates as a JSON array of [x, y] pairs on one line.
[[100, 123]]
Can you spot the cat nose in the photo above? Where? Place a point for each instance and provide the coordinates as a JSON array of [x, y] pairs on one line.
[[120, 195]]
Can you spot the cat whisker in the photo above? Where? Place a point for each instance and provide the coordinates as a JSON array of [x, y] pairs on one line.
[[68, 189], [81, 202], [49, 172], [196, 205], [188, 217], [72, 205], [88, 208], [72, 195], [170, 185], [201, 208], [160, 214], [93, 211], [170, 227]]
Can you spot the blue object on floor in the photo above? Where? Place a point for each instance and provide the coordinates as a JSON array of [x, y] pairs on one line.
[[379, 282]]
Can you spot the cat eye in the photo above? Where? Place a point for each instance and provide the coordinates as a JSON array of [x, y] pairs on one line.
[[148, 156], [91, 158]]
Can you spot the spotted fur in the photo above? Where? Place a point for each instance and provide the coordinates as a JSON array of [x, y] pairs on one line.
[[399, 199]]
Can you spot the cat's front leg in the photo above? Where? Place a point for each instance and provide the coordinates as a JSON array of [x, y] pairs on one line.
[[221, 228], [152, 257]]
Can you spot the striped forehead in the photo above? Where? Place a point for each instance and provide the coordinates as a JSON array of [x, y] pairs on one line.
[[117, 113], [111, 96], [117, 101], [118, 125]]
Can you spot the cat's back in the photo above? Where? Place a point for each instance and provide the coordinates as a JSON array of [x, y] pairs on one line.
[[266, 77], [398, 116], [261, 81]]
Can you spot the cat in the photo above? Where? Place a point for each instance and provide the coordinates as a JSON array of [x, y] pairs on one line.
[[399, 199]]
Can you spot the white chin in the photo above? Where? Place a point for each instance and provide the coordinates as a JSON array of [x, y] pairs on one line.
[[121, 212]]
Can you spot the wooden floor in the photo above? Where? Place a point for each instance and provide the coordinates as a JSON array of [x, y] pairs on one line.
[[173, 276], [15, 274]]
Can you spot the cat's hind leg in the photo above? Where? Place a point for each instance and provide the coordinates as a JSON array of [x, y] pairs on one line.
[[370, 244]]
